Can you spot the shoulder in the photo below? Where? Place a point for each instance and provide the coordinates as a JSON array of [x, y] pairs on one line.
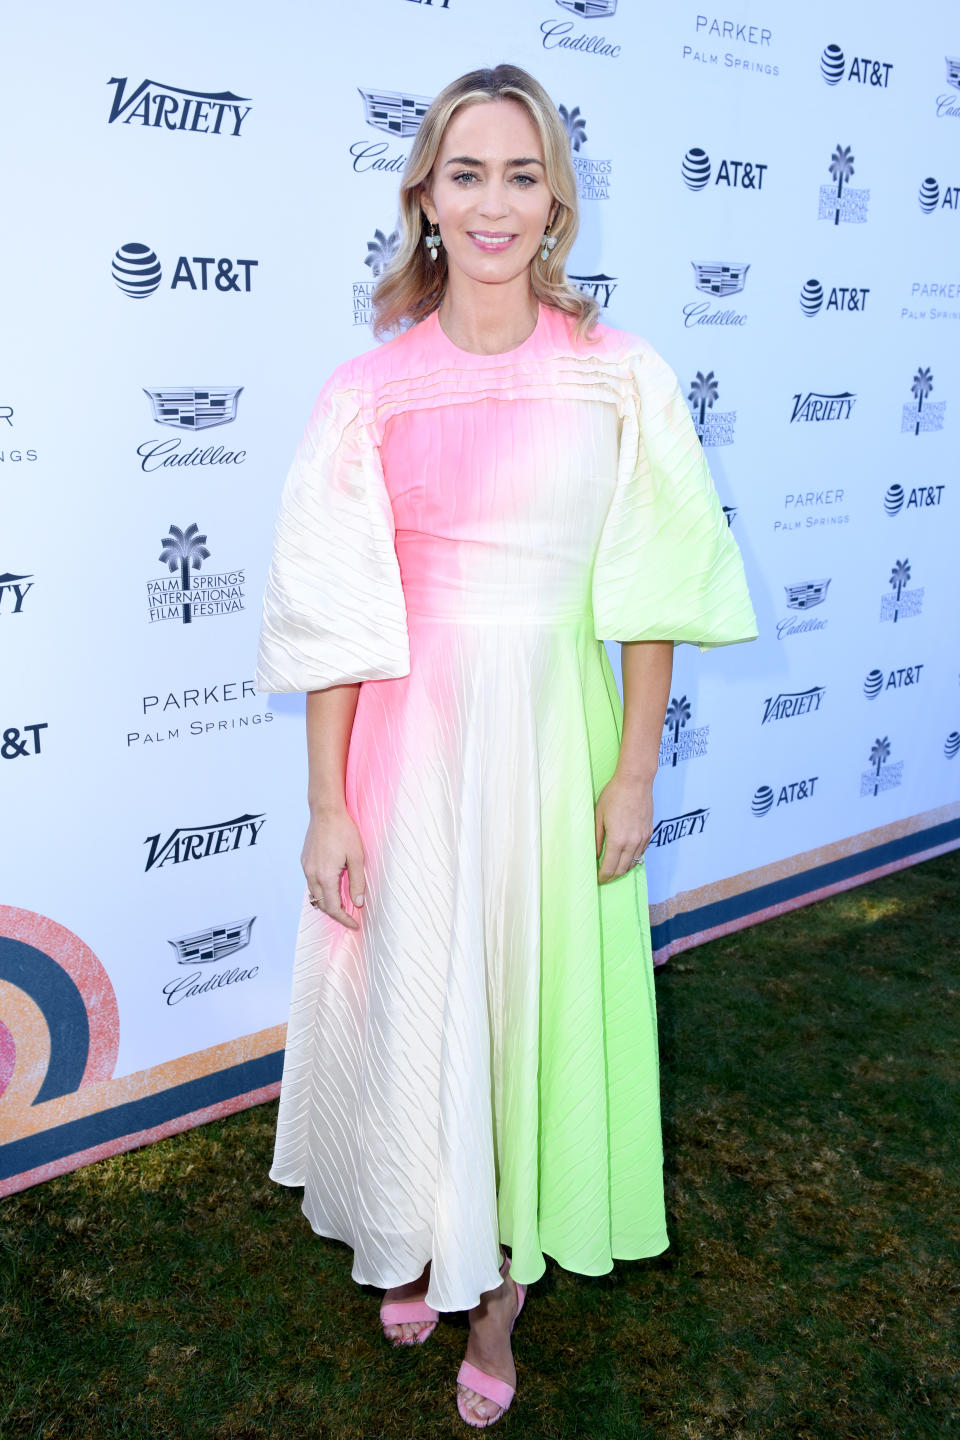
[[367, 373], [624, 351]]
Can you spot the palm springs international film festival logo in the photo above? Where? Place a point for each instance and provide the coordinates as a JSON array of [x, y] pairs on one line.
[[790, 703], [198, 842], [191, 408], [698, 172], [396, 115], [866, 73], [719, 280], [594, 177], [923, 414], [882, 775], [137, 272], [679, 742], [558, 34], [840, 201], [380, 251], [168, 107], [815, 297], [802, 597], [714, 427], [934, 196], [185, 597], [905, 603], [949, 105]]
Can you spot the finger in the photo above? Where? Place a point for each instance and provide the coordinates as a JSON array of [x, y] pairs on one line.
[[355, 877], [329, 897], [598, 829]]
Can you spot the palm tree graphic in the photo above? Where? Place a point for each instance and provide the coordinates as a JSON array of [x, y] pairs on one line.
[[381, 250], [920, 389], [678, 714], [576, 125], [184, 548], [841, 168], [879, 754], [703, 392], [899, 576]]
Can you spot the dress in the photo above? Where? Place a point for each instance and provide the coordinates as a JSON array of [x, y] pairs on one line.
[[478, 1061]]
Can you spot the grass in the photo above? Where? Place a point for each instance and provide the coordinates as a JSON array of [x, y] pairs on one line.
[[809, 1072]]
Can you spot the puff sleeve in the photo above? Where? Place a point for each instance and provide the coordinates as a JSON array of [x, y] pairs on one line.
[[333, 607], [667, 566]]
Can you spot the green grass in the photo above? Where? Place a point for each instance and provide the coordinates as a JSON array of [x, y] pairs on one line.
[[810, 1092]]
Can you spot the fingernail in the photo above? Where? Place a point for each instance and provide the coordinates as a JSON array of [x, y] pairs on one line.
[[359, 900]]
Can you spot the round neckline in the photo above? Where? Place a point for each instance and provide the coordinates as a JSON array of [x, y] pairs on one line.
[[481, 357]]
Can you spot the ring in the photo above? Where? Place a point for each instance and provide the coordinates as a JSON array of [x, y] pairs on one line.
[[637, 860], [314, 902]]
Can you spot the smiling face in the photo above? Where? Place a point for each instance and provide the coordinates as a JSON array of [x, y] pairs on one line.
[[488, 193]]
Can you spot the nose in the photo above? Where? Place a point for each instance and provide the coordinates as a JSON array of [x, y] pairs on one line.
[[495, 201]]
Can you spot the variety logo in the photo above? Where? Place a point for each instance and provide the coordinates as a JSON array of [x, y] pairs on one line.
[[920, 416], [558, 34], [803, 596], [380, 251], [711, 31], [839, 297], [186, 597], [883, 775], [15, 456], [948, 105], [599, 287], [675, 746], [719, 279], [811, 502], [188, 408], [819, 408], [873, 74], [934, 196], [839, 201], [715, 427], [875, 682], [766, 799], [206, 947], [395, 114], [21, 741], [13, 591], [697, 172], [790, 703], [198, 842], [206, 705], [200, 111], [931, 290], [137, 272], [905, 603], [680, 827], [593, 176]]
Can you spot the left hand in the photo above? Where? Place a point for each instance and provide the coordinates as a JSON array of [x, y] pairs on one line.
[[624, 819]]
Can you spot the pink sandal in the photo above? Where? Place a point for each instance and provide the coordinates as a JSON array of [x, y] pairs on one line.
[[488, 1385], [408, 1312]]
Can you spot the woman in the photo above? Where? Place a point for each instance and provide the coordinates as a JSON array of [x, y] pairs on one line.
[[476, 505]]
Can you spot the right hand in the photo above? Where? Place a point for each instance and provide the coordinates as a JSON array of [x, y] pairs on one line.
[[332, 845]]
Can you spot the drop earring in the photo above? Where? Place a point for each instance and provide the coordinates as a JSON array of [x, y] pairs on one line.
[[548, 243], [432, 241]]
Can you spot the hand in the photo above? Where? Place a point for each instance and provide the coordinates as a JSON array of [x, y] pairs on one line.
[[333, 845], [624, 819]]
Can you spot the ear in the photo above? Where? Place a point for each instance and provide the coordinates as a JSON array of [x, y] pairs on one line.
[[427, 206]]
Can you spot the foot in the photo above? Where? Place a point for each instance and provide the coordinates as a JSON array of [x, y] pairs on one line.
[[489, 1348], [409, 1331]]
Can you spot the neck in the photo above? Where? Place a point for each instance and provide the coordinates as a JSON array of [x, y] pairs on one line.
[[488, 319]]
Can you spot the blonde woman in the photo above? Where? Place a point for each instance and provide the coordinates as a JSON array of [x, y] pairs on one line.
[[477, 504]]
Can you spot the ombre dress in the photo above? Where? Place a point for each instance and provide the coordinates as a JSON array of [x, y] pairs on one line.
[[460, 533]]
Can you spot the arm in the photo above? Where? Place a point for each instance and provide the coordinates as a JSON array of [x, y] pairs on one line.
[[624, 811], [332, 840]]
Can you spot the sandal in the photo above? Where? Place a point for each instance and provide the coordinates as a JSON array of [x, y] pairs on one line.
[[489, 1386], [408, 1312]]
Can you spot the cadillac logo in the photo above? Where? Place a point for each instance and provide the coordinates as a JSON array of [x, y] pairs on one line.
[[806, 595], [720, 279], [394, 113], [187, 408], [211, 946]]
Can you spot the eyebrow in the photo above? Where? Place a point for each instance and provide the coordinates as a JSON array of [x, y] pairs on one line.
[[472, 160]]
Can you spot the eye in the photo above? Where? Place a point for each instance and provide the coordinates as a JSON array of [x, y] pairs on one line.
[[463, 176], [529, 179]]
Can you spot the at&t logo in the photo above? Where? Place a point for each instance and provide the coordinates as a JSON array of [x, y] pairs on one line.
[[19, 741], [934, 196], [875, 682], [137, 272], [919, 497], [766, 799], [870, 74], [697, 171], [814, 298]]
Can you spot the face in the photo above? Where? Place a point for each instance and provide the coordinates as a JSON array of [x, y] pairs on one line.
[[488, 192]]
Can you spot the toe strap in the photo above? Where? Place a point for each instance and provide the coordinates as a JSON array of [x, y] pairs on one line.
[[486, 1385], [407, 1312]]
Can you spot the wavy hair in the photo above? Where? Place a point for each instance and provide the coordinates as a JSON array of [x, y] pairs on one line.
[[412, 285]]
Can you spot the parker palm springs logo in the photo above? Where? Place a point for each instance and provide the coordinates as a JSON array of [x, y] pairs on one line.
[[882, 775], [688, 745], [697, 172], [184, 595], [205, 112], [839, 201], [719, 280], [868, 74], [199, 842], [905, 603], [713, 427], [380, 251], [922, 414], [593, 176]]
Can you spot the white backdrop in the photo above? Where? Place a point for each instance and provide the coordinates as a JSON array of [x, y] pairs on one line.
[[771, 200]]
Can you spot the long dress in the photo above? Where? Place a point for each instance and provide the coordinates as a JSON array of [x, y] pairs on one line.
[[478, 1061]]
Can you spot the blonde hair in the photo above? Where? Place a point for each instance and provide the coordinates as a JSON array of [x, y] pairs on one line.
[[412, 285]]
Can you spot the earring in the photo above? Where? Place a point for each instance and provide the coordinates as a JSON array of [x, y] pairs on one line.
[[548, 243], [432, 240]]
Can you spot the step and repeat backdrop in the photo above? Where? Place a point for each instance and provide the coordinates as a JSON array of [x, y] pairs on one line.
[[199, 202]]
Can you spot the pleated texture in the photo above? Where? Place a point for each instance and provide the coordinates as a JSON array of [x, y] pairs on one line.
[[478, 1062]]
